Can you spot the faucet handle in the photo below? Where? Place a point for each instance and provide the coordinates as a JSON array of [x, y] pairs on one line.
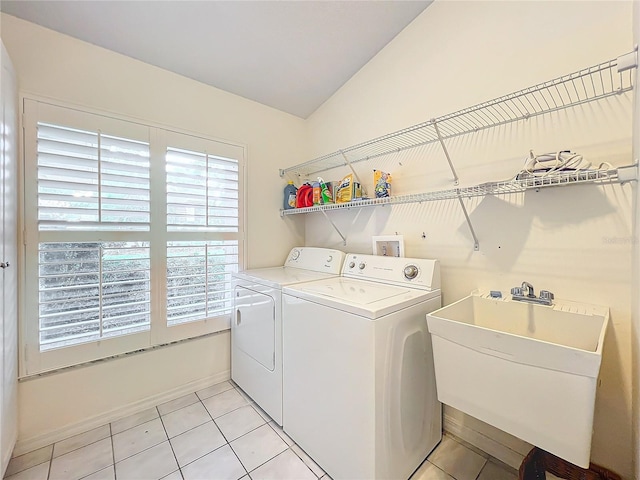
[[516, 291], [546, 295]]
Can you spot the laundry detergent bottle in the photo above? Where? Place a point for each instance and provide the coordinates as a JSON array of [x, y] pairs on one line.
[[290, 192]]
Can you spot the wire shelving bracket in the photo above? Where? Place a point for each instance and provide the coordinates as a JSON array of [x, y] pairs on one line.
[[335, 227], [456, 179], [476, 244], [606, 79], [621, 174], [519, 185]]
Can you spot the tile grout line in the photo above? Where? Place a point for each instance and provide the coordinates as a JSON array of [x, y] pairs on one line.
[[239, 437], [50, 461], [227, 443], [113, 453], [221, 433], [159, 416], [486, 461], [239, 460], [248, 403], [169, 442], [137, 425], [443, 471], [200, 457], [216, 425], [83, 446], [144, 449], [246, 433], [222, 391], [255, 408], [177, 409], [302, 459], [276, 455]]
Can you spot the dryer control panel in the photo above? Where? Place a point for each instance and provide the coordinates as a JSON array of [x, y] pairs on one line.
[[316, 259], [420, 273]]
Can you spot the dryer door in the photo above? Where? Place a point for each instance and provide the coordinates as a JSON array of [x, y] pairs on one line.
[[253, 327]]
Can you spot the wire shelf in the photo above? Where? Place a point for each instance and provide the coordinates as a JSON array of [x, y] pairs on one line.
[[506, 187], [587, 85]]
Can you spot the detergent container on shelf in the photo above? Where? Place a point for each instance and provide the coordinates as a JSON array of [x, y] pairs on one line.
[[305, 196], [290, 192], [326, 196]]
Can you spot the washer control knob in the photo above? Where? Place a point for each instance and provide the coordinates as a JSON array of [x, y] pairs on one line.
[[329, 258], [295, 254], [410, 272], [352, 264], [361, 266]]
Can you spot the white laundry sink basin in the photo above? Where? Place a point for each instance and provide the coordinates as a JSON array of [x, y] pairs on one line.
[[528, 369]]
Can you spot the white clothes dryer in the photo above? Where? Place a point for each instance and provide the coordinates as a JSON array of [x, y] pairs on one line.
[[256, 327], [359, 384]]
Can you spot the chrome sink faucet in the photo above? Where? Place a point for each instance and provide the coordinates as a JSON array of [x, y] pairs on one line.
[[525, 293], [526, 286]]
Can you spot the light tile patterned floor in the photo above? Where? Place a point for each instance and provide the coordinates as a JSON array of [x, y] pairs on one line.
[[215, 433]]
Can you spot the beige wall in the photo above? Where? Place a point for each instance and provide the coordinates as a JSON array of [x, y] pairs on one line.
[[73, 401], [62, 68], [52, 65], [576, 242]]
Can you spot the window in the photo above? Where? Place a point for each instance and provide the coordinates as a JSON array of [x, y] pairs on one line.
[[132, 233]]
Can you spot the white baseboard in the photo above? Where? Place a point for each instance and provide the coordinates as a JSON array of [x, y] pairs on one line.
[[25, 445], [512, 455], [6, 456]]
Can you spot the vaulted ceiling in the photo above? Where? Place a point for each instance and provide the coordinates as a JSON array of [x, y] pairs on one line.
[[290, 55]]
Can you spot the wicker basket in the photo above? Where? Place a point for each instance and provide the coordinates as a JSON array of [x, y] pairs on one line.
[[538, 461]]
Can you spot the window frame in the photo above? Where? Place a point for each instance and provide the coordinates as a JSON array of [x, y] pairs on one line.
[[36, 109]]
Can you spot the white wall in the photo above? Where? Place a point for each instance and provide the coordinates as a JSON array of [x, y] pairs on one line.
[[576, 242], [56, 66]]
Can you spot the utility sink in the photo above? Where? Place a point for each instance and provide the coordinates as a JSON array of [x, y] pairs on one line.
[[528, 369]]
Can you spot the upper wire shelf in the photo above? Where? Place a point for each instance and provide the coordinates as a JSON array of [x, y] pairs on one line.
[[517, 185], [600, 81]]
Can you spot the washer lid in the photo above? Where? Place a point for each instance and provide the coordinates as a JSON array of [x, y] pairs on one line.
[[354, 291], [360, 297], [276, 277]]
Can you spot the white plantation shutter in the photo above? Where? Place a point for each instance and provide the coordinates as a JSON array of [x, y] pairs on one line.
[[202, 192], [199, 279], [202, 196], [88, 180], [131, 235], [90, 291]]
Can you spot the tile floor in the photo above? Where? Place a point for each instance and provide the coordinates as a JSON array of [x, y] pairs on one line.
[[215, 433]]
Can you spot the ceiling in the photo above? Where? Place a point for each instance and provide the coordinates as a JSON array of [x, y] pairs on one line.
[[290, 55]]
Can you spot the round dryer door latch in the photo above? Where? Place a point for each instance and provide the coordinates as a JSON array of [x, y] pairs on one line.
[[410, 272]]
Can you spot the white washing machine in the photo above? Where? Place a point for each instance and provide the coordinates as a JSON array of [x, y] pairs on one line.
[[359, 384], [256, 327]]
